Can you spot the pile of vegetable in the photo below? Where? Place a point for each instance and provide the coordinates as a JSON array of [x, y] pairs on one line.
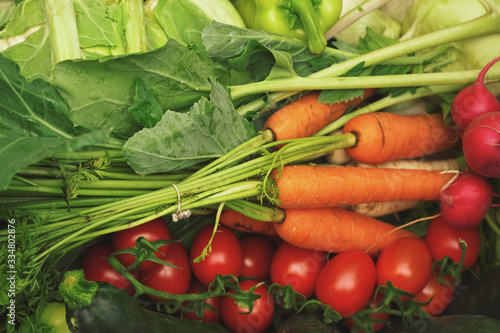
[[241, 166]]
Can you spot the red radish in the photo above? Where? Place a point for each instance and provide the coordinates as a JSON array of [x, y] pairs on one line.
[[465, 201], [481, 145], [474, 100]]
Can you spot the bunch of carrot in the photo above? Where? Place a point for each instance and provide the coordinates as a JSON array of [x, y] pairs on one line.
[[313, 197]]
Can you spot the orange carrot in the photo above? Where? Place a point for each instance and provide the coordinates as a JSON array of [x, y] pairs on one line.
[[337, 230], [307, 186], [237, 221], [305, 116], [384, 136]]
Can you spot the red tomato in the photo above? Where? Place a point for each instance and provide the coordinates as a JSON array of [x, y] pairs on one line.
[[441, 295], [209, 315], [257, 253], [444, 240], [237, 318], [174, 280], [96, 267], [406, 263], [346, 282], [224, 259], [152, 231], [297, 267]]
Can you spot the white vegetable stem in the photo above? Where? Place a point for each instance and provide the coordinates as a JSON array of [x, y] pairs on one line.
[[61, 22], [135, 29], [380, 81]]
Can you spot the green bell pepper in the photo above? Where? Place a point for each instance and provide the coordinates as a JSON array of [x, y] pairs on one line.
[[307, 20]]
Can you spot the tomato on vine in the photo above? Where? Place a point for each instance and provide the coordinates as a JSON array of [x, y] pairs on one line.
[[444, 240], [236, 315], [172, 279], [96, 267], [223, 258], [380, 317], [439, 295], [210, 314], [347, 281], [257, 251], [298, 267], [406, 263], [152, 231]]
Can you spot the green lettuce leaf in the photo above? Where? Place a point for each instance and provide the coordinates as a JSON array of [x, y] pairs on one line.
[[179, 140], [34, 123], [7, 8], [31, 108], [100, 92], [261, 51], [145, 108], [98, 23], [33, 54]]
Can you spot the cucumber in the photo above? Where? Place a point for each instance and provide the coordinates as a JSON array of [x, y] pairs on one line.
[[453, 323], [99, 307], [306, 323], [478, 296]]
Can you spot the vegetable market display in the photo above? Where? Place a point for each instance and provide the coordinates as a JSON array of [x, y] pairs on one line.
[[185, 163]]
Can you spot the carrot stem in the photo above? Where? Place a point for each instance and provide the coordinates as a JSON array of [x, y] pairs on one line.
[[257, 211], [232, 183], [386, 102]]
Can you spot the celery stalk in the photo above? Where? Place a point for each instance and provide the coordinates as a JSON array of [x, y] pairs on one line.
[[63, 31]]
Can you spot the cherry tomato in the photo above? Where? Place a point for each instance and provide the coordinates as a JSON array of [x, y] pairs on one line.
[[298, 267], [444, 240], [237, 318], [153, 230], [174, 280], [257, 251], [406, 263], [346, 282], [441, 294], [96, 267], [209, 314], [224, 259]]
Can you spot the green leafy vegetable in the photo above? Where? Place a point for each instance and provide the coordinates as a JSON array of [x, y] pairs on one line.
[[377, 20], [51, 31], [179, 140], [33, 109], [26, 40], [256, 49], [34, 123], [39, 34], [145, 108], [174, 75], [426, 16], [19, 152], [183, 20], [98, 25], [6, 10], [335, 96]]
